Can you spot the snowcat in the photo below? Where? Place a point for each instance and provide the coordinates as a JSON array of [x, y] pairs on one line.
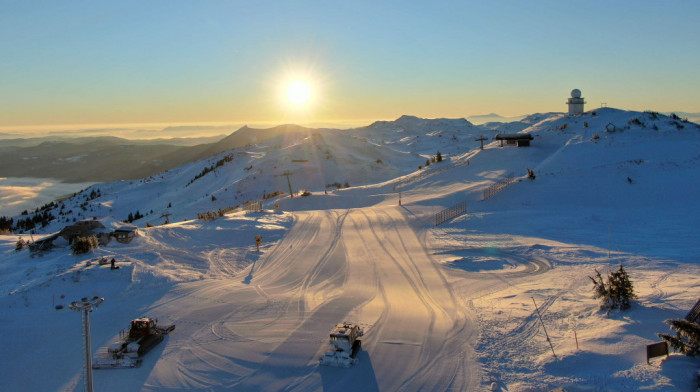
[[134, 342], [344, 344]]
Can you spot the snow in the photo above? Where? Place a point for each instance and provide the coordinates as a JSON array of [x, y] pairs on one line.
[[443, 308]]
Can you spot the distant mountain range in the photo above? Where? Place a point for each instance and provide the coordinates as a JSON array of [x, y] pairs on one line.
[[492, 117], [107, 158], [261, 164], [176, 141], [104, 158]]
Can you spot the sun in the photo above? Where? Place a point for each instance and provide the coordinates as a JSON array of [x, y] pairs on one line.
[[298, 92]]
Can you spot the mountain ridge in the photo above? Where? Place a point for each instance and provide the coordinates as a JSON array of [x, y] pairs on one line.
[[323, 160]]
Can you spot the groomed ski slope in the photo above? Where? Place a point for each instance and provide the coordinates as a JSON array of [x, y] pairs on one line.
[[362, 264], [444, 308]]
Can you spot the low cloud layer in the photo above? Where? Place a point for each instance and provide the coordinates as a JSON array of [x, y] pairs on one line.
[[19, 194]]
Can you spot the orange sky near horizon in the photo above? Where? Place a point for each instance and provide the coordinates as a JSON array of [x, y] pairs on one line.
[[72, 65]]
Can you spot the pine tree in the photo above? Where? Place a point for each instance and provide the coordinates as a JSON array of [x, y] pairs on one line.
[[686, 339], [601, 291], [5, 224], [616, 292], [623, 288]]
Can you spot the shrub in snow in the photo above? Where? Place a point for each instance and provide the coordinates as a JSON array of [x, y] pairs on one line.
[[439, 157], [84, 244], [305, 193], [530, 174], [21, 244], [615, 292], [212, 215], [207, 216], [636, 121], [278, 193], [686, 339], [653, 115]]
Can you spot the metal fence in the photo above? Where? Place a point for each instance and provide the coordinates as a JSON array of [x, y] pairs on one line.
[[449, 213], [498, 186], [694, 314], [255, 205]]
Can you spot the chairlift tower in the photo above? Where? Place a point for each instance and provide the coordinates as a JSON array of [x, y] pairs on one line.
[[85, 306], [287, 174], [575, 103]]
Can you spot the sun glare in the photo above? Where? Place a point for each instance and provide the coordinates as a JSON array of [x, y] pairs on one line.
[[298, 92]]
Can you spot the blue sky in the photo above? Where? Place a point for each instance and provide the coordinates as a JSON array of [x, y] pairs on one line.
[[89, 62]]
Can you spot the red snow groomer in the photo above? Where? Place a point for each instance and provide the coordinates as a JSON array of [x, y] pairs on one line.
[[134, 342]]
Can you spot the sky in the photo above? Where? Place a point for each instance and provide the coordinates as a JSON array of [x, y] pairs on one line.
[[83, 63]]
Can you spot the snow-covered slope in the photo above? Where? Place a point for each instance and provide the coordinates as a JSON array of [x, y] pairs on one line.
[[444, 308], [405, 134], [316, 160]]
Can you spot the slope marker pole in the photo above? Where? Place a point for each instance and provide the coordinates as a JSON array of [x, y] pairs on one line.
[[543, 327]]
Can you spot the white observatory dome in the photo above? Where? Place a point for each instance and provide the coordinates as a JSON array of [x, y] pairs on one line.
[[575, 93]]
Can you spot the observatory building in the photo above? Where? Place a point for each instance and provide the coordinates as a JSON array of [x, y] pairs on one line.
[[575, 102]]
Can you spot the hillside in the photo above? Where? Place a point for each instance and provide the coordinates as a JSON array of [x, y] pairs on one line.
[[105, 158], [448, 307], [92, 159], [317, 160]]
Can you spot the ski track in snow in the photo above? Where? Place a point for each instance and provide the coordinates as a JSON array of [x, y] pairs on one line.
[[443, 309], [332, 264], [362, 264]]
